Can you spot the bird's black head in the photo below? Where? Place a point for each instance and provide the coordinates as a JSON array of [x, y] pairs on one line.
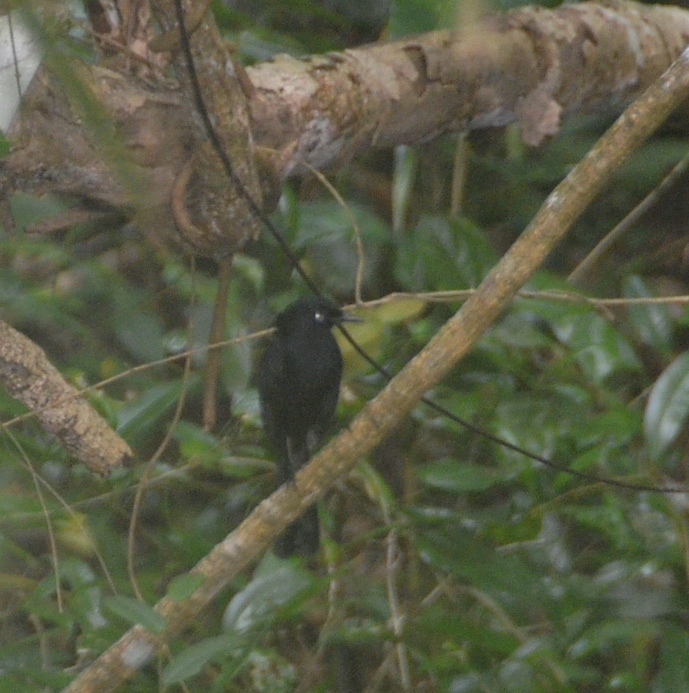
[[311, 311]]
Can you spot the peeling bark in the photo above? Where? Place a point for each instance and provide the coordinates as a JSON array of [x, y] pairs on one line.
[[29, 377], [531, 66], [218, 219]]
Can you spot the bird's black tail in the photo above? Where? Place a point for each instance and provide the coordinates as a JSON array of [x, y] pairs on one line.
[[301, 538]]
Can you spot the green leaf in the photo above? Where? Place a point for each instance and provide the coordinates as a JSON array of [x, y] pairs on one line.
[[406, 165], [674, 663], [451, 475], [415, 17], [27, 209], [598, 347], [5, 146], [183, 586], [436, 621], [194, 442], [190, 661], [652, 321], [320, 221], [139, 331], [376, 486], [275, 583], [138, 418], [135, 612], [458, 551], [443, 255], [667, 406], [606, 634], [326, 233]]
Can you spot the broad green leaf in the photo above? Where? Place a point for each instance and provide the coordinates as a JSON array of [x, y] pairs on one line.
[[190, 661], [610, 632], [652, 321], [138, 418], [274, 584], [597, 346], [327, 235], [327, 219], [418, 16], [436, 621], [135, 612], [460, 552], [443, 255], [194, 442], [452, 475], [375, 485], [4, 146], [371, 334], [28, 209], [140, 332], [668, 406], [673, 675], [608, 519]]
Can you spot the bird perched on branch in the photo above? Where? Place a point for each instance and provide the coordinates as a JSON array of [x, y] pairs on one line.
[[299, 385]]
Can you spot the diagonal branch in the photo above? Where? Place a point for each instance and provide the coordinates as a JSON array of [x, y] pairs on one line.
[[28, 376], [399, 397]]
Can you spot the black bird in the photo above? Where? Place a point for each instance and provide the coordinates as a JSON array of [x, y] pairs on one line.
[[299, 385]]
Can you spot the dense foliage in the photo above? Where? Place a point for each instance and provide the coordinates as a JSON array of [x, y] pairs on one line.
[[480, 568]]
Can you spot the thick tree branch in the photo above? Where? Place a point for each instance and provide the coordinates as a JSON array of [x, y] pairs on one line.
[[222, 219], [531, 65], [28, 376], [383, 413]]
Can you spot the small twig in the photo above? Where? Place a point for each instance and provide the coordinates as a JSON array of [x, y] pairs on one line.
[[170, 40], [564, 296], [586, 266], [46, 515], [15, 59], [76, 518], [65, 220], [36, 622], [392, 560], [21, 517], [382, 671], [138, 369], [508, 624], [143, 481], [214, 358], [118, 46], [459, 174], [352, 220]]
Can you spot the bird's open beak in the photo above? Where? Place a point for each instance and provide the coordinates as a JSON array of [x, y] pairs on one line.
[[346, 317]]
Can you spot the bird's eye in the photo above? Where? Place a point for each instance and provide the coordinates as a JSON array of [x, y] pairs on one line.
[[319, 317]]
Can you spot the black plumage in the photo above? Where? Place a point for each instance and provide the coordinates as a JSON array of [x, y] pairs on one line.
[[299, 385]]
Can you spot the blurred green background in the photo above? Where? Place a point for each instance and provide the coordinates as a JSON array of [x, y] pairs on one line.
[[510, 576]]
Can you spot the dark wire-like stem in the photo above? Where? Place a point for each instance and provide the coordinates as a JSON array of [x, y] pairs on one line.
[[256, 209]]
